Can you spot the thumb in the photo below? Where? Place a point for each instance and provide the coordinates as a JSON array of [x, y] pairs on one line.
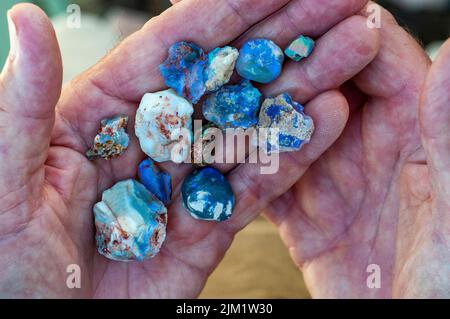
[[30, 86], [435, 121]]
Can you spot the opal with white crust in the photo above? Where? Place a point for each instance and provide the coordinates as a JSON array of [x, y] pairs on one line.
[[283, 125], [164, 126], [220, 67]]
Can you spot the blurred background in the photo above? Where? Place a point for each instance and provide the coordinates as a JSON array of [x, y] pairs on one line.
[[257, 265]]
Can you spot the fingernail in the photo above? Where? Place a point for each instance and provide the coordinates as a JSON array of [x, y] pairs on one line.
[[12, 37]]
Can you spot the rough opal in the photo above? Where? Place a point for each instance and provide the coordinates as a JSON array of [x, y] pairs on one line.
[[300, 48], [234, 106], [183, 70], [221, 63], [260, 60], [292, 127], [130, 222], [207, 195], [111, 140], [164, 126], [155, 180]]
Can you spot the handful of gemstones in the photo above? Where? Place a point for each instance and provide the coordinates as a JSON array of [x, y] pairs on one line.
[[131, 218]]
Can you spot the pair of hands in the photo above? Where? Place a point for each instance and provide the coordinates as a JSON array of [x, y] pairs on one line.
[[373, 187]]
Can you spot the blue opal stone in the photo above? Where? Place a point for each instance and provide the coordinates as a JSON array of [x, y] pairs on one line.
[[300, 48], [111, 140], [234, 106], [207, 195], [130, 222], [155, 180], [183, 70], [283, 125], [260, 60]]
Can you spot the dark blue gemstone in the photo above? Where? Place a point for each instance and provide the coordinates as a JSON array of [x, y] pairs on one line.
[[234, 106], [207, 195], [183, 70], [155, 180]]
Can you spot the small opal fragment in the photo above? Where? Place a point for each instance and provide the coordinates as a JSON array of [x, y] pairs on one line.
[[300, 48], [111, 140], [156, 181], [221, 63], [164, 126], [130, 222], [207, 195], [260, 60], [234, 106], [183, 70], [285, 118]]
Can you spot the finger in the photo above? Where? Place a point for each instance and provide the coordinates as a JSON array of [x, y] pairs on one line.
[[30, 86], [209, 23], [116, 87], [118, 82], [329, 111], [393, 82], [435, 121], [399, 68], [311, 18], [175, 1], [339, 55], [254, 191], [308, 17]]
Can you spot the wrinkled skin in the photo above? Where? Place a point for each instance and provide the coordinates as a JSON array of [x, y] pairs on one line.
[[380, 195], [48, 187]]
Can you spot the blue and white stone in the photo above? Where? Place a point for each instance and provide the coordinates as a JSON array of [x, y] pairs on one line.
[[260, 60], [220, 67], [184, 69], [156, 181], [207, 195], [300, 48], [164, 126], [234, 106], [130, 222], [112, 139], [283, 125]]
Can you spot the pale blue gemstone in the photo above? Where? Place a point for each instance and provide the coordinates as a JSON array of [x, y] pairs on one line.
[[130, 222], [300, 48], [260, 60]]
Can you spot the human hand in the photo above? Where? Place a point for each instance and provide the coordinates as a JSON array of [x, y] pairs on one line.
[[380, 194], [48, 187]]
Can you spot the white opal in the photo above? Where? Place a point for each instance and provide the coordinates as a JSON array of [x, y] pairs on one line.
[[221, 63], [164, 126]]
